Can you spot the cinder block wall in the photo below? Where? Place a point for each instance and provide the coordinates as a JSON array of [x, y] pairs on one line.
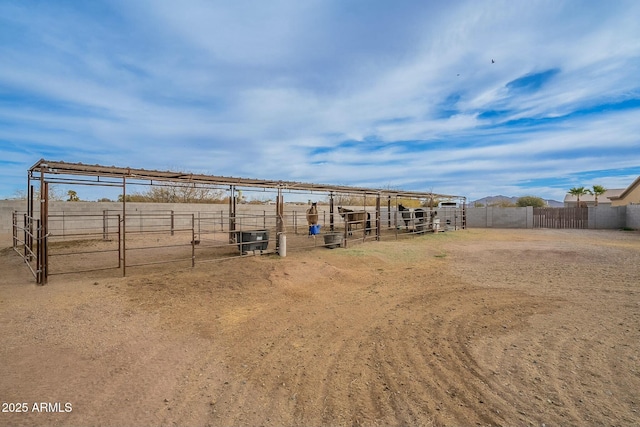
[[607, 217], [479, 218], [601, 217], [61, 215], [7, 207], [495, 217], [633, 216]]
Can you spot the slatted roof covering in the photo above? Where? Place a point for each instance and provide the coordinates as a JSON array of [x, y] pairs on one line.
[[44, 167]]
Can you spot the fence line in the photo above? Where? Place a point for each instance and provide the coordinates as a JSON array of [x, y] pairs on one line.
[[108, 240], [560, 217], [32, 231]]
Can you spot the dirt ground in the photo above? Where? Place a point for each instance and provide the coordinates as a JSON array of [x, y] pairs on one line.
[[474, 327]]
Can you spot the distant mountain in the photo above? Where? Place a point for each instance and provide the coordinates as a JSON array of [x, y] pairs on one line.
[[496, 200]]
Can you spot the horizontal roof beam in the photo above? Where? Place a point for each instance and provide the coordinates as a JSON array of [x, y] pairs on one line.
[[64, 168]]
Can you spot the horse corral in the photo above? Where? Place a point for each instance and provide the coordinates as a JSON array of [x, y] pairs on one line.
[[355, 219], [120, 239]]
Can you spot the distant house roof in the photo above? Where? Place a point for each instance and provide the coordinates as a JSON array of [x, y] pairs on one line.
[[614, 192], [627, 190]]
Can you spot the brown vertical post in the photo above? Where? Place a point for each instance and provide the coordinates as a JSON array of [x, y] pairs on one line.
[[172, 223], [27, 241], [45, 234], [14, 229], [464, 213], [232, 213], [105, 225], [26, 238], [346, 229], [124, 226], [199, 226], [389, 211], [42, 235], [193, 240], [38, 256], [395, 217], [31, 215], [119, 249], [364, 208], [378, 218], [29, 195], [280, 211], [331, 211]]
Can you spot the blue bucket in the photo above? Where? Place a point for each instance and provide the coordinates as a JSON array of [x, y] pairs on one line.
[[314, 229]]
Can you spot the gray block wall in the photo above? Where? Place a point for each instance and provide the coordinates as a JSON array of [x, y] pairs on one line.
[[61, 215], [7, 207], [495, 217], [607, 217], [600, 217], [633, 217]]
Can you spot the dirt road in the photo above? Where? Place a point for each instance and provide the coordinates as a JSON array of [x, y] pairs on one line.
[[475, 327]]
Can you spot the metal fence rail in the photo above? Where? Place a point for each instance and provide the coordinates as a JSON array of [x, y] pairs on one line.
[[79, 243], [69, 229], [33, 236]]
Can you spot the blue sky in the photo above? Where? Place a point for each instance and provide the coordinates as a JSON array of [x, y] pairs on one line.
[[472, 98]]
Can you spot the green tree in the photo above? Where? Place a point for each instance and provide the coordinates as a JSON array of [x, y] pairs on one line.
[[536, 202], [504, 203], [598, 190], [579, 191]]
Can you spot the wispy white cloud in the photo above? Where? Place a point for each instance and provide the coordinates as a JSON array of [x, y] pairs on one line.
[[375, 94]]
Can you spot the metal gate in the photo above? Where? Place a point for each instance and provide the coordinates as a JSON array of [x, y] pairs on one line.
[[560, 217]]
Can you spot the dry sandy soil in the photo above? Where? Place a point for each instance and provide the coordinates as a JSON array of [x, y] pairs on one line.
[[475, 327]]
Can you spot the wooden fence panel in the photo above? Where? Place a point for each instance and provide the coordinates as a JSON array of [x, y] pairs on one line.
[[560, 217]]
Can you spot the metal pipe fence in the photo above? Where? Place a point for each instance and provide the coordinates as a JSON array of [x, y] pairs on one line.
[[79, 243], [31, 231]]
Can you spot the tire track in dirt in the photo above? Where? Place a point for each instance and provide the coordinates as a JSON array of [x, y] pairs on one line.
[[491, 328], [376, 353], [462, 391], [302, 363], [571, 375], [151, 394], [373, 367]]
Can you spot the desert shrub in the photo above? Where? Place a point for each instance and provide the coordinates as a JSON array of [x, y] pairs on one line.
[[536, 202]]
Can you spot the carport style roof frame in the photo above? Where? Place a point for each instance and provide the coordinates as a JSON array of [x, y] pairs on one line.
[[44, 167]]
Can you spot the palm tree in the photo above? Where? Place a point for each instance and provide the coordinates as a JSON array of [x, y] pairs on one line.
[[73, 196], [579, 191], [598, 190]]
